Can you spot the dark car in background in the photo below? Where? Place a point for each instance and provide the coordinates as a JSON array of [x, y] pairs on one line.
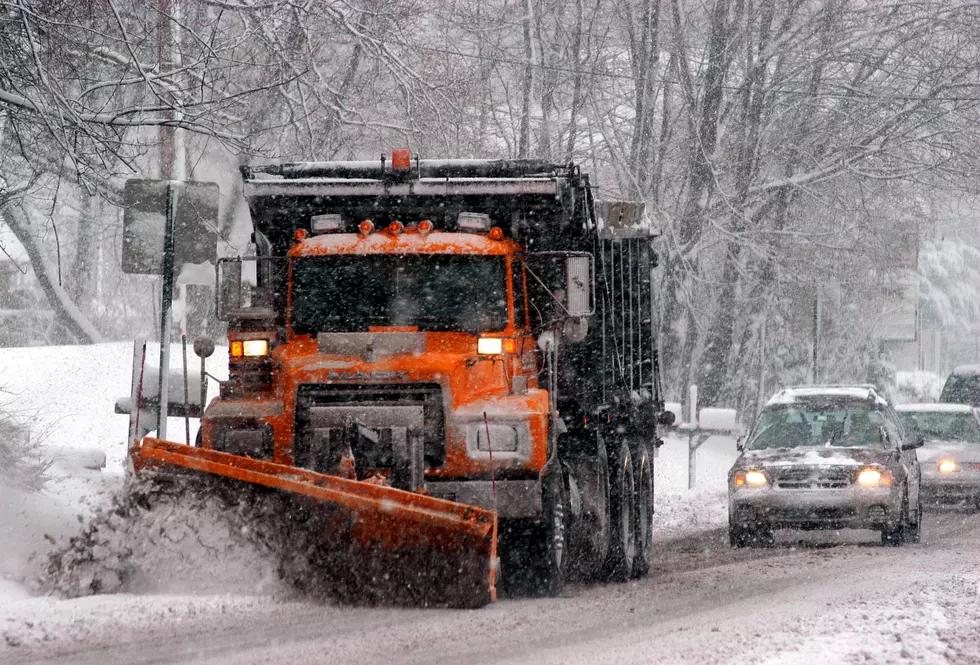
[[962, 386], [826, 457], [950, 458]]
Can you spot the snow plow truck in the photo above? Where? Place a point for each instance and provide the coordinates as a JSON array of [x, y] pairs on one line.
[[454, 361]]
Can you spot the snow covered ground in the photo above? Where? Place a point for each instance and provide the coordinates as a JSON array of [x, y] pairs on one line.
[[196, 564]]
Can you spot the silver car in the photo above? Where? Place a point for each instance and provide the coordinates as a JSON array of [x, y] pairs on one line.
[[950, 458], [826, 457]]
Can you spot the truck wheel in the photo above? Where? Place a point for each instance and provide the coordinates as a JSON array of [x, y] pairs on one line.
[[552, 541], [622, 501], [588, 540], [643, 473]]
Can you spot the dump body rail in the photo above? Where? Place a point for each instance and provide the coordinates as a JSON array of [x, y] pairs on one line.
[[442, 549]]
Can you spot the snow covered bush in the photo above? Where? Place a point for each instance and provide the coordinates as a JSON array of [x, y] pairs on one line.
[[918, 386], [22, 461]]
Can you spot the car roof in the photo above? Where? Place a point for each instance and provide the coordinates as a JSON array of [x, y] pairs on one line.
[[934, 408], [862, 392], [967, 369]]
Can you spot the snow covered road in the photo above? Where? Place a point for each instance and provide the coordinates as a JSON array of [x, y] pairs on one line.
[[849, 602]]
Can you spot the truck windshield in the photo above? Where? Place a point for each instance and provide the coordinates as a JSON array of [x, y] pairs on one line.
[[435, 292]]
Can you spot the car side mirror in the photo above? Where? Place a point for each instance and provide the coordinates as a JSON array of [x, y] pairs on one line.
[[917, 442], [740, 443]]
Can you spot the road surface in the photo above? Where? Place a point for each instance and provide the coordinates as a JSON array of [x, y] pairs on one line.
[[799, 602]]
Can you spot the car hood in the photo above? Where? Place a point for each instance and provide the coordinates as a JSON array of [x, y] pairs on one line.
[[957, 450], [822, 456]]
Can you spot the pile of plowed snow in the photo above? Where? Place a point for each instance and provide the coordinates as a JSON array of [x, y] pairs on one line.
[[171, 537]]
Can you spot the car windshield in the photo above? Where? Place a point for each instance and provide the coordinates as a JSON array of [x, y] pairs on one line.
[[812, 424], [434, 292], [944, 426], [961, 389]]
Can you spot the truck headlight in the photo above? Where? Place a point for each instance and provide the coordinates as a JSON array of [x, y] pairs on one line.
[[490, 346], [503, 437], [249, 348]]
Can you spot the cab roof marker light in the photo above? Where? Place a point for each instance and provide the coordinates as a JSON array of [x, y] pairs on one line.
[[366, 227], [300, 235], [473, 221], [327, 223], [395, 228], [401, 159], [497, 233], [425, 227]]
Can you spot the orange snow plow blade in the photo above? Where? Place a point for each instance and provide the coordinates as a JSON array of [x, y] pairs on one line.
[[431, 551]]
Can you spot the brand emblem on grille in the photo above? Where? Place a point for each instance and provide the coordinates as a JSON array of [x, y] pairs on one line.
[[371, 376]]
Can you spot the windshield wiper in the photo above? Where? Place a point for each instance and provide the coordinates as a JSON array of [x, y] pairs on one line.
[[833, 439]]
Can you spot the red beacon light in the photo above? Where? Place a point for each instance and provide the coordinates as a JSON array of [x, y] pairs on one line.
[[425, 227], [497, 233], [395, 228], [366, 227], [300, 235], [401, 159]]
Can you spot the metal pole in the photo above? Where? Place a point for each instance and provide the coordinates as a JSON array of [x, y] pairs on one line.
[[166, 311], [187, 408]]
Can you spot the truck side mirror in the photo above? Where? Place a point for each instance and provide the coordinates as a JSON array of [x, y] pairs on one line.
[[578, 285]]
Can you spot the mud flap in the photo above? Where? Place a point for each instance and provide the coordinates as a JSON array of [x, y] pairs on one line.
[[389, 544]]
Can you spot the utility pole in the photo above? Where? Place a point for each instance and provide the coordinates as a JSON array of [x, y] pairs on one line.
[[815, 373]]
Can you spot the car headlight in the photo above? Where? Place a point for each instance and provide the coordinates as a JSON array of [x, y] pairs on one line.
[[874, 477], [751, 478], [948, 466]]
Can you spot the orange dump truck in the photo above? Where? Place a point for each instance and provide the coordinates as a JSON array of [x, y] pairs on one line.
[[455, 359]]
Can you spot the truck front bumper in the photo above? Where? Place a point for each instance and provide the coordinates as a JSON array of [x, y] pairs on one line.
[[513, 499]]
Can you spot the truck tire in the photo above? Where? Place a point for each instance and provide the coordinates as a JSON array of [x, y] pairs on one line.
[[533, 553], [622, 501], [643, 473], [588, 542]]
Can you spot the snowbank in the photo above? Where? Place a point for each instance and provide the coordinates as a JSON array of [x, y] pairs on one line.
[[81, 534]]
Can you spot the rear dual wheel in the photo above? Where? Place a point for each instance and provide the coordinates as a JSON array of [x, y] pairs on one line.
[[622, 508], [643, 523]]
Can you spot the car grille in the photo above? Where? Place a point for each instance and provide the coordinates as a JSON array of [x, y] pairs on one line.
[[372, 419], [816, 514], [824, 477]]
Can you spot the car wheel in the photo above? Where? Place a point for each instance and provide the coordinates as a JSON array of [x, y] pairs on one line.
[[894, 535], [643, 472], [913, 532], [622, 499]]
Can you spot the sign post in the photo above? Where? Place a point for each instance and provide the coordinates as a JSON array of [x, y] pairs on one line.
[[166, 224]]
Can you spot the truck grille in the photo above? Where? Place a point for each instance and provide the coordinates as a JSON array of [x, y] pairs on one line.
[[825, 477], [373, 418]]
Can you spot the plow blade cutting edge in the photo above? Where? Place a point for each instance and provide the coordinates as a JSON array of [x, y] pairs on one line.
[[435, 551]]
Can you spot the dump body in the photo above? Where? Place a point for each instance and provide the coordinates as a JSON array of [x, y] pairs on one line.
[[455, 333]]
